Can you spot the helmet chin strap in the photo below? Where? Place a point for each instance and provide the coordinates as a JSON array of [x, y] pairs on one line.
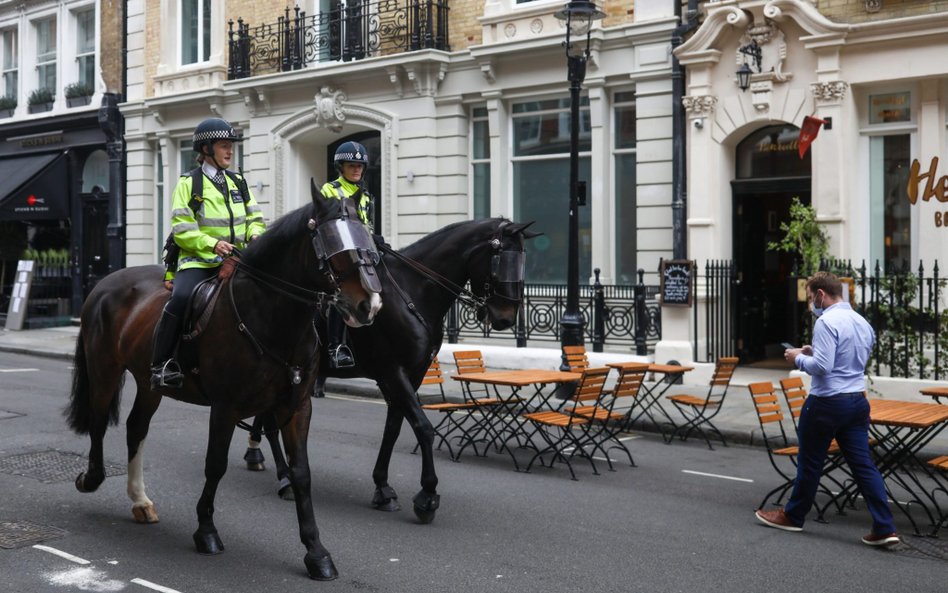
[[210, 155]]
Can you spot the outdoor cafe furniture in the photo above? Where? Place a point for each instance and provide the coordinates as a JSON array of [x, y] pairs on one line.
[[650, 397], [903, 429], [699, 411], [795, 395], [501, 423], [565, 434], [783, 455], [936, 393]]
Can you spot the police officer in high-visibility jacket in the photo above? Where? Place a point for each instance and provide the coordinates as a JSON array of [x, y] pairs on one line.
[[350, 161], [207, 225]]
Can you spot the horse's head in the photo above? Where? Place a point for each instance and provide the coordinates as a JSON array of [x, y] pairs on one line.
[[496, 271], [347, 257]]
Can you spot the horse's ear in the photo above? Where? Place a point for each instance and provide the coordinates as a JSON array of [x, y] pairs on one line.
[[522, 229]]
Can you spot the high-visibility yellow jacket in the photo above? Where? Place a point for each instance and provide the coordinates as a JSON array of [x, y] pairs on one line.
[[234, 218], [341, 188]]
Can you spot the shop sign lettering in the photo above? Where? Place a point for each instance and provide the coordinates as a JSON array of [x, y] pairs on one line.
[[935, 187]]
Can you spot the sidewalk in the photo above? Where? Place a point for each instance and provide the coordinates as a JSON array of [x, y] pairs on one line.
[[737, 419]]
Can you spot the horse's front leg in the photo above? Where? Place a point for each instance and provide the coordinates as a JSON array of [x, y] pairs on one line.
[[271, 431], [385, 498], [220, 432], [318, 562], [146, 404]]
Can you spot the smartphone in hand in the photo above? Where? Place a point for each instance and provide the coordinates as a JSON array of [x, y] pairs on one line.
[[787, 345]]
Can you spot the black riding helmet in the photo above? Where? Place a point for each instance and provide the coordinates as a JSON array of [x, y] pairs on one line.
[[350, 152], [211, 130]]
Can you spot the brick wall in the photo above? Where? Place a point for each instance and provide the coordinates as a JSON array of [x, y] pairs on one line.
[[464, 29], [152, 44], [854, 11], [110, 21], [618, 12]]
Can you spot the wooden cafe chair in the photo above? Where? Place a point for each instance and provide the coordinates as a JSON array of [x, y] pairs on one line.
[[699, 411]]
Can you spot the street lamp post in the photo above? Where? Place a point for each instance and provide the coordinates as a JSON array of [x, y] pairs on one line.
[[579, 15]]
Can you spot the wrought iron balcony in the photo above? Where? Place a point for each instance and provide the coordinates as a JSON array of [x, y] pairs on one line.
[[352, 30]]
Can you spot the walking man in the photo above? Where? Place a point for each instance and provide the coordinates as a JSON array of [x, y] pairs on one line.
[[836, 408]]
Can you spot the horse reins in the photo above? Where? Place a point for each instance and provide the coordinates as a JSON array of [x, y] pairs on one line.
[[462, 294]]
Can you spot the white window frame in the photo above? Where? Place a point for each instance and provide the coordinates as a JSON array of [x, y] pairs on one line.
[[201, 34], [485, 118], [15, 69], [76, 70], [55, 62], [616, 153]]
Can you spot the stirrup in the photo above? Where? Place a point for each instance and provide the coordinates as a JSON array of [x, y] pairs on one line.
[[341, 357], [167, 375]]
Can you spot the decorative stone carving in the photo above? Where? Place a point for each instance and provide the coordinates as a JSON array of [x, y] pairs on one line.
[[536, 25], [699, 105], [833, 91], [510, 30], [873, 5], [773, 50], [328, 108]]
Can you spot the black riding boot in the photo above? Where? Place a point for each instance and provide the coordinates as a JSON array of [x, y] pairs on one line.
[[340, 356], [165, 371]]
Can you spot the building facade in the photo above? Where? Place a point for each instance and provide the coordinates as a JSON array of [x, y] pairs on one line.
[[462, 104], [61, 157], [875, 174]]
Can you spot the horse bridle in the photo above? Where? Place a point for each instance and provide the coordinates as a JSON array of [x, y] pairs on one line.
[[498, 269], [345, 233]]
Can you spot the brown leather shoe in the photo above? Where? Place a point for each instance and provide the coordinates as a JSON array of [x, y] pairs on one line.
[[778, 520], [882, 541]]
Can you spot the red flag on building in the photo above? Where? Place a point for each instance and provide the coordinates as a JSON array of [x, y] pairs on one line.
[[808, 132]]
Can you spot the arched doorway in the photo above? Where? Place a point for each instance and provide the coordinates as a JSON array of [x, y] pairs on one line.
[[769, 174], [373, 174]]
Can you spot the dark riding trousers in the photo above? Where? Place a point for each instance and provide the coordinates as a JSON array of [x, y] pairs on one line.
[[184, 283]]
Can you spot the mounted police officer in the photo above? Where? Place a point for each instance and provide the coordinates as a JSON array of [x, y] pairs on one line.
[[350, 161], [212, 213]]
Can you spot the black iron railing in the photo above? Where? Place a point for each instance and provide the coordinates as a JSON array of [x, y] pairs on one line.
[[352, 30], [715, 320], [907, 310], [615, 315]]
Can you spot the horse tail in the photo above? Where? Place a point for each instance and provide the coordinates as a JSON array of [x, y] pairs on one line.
[[79, 412]]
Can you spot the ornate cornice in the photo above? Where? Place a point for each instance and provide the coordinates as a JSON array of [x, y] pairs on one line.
[[832, 91], [699, 105]]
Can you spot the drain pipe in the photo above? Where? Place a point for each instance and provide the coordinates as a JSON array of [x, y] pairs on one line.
[[679, 170]]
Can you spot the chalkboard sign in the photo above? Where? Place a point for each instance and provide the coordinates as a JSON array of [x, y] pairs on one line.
[[676, 282]]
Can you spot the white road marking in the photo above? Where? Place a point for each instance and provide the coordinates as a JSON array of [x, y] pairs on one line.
[[18, 370], [86, 578], [363, 400], [62, 554], [154, 586], [688, 471]]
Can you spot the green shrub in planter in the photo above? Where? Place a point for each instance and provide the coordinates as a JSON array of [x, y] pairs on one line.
[[7, 102], [78, 89], [40, 96]]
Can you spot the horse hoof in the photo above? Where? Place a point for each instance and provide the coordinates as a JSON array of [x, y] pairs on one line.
[[286, 490], [385, 499], [254, 459], [145, 513], [208, 544], [321, 569], [86, 483], [425, 505]]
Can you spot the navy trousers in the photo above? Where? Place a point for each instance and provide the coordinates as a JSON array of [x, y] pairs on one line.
[[844, 417]]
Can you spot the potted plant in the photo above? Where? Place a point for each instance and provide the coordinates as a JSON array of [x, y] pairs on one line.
[[7, 105], [41, 100], [78, 94]]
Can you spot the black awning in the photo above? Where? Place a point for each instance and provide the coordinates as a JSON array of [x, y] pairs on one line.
[[34, 187]]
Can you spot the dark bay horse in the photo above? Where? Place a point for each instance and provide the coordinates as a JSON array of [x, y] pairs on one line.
[[255, 355], [420, 284]]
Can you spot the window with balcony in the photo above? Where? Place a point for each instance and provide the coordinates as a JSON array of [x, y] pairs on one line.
[[85, 47], [9, 64], [195, 31], [46, 54]]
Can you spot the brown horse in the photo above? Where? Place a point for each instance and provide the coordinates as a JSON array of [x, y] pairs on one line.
[[256, 355]]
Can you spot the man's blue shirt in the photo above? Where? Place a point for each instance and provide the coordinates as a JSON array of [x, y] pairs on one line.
[[842, 342]]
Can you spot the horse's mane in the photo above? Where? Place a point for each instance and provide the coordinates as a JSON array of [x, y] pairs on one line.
[[283, 231], [432, 240]]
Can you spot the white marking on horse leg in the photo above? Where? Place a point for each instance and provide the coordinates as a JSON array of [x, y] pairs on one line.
[[142, 507]]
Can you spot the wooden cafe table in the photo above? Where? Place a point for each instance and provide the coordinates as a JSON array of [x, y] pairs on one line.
[[903, 429], [936, 393], [650, 397], [502, 422]]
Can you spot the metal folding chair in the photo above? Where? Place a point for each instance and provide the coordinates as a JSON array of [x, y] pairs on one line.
[[449, 424], [480, 402], [564, 433], [698, 411], [770, 417]]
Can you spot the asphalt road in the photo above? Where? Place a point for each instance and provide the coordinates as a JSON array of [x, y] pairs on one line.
[[680, 521]]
